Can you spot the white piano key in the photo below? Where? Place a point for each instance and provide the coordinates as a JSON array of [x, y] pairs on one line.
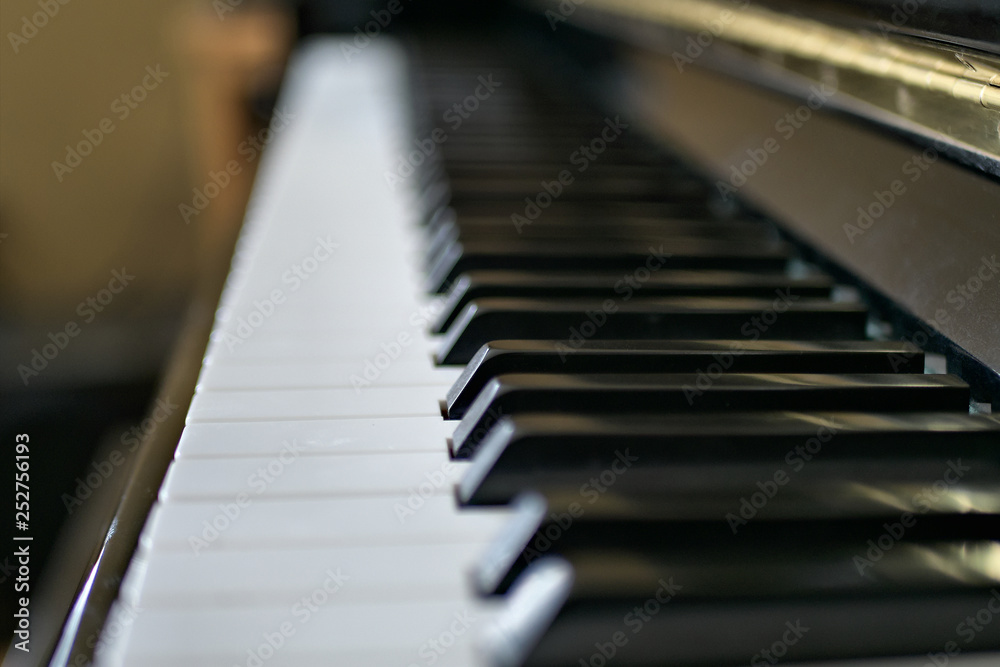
[[315, 403], [318, 260], [291, 475], [307, 322], [355, 374], [373, 635], [283, 310], [301, 319], [247, 521], [231, 348], [317, 329], [278, 375], [333, 436], [182, 579]]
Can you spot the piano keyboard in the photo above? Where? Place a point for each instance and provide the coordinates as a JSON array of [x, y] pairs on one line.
[[665, 439]]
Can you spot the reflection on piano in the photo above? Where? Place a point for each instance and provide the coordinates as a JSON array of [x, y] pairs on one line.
[[498, 380]]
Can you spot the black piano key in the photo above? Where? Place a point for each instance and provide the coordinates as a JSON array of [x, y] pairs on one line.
[[553, 452], [577, 320], [529, 152], [501, 135], [622, 394], [635, 189], [795, 557], [489, 139], [649, 526], [506, 122], [707, 357], [597, 209], [735, 607], [607, 285], [544, 172], [596, 255], [446, 229], [443, 233]]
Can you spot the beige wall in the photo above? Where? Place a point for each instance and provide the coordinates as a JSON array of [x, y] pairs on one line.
[[119, 206]]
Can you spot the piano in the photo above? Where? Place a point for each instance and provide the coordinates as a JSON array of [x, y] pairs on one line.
[[608, 333]]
